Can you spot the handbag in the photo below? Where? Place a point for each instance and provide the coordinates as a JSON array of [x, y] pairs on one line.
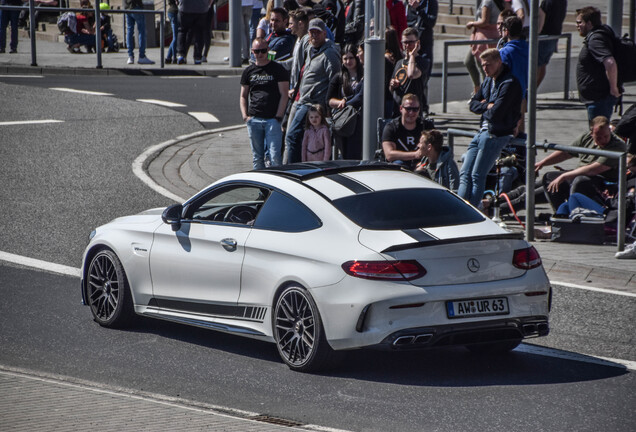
[[344, 121]]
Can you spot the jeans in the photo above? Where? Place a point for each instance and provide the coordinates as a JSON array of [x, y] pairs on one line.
[[265, 135], [295, 132], [480, 157], [7, 16], [507, 175], [579, 200], [586, 185], [174, 25], [602, 107], [140, 19]]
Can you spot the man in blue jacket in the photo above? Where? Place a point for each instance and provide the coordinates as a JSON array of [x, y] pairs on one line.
[[280, 40], [498, 102]]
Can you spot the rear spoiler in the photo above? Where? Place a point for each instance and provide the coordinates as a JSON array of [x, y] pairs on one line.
[[435, 242]]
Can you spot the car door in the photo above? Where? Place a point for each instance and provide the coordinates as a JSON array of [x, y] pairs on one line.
[[198, 267]]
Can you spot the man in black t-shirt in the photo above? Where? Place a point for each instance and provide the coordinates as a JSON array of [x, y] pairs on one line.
[[401, 136], [410, 74], [264, 94], [596, 70]]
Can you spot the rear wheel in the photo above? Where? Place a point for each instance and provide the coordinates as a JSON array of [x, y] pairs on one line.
[[494, 347], [299, 333], [108, 292]]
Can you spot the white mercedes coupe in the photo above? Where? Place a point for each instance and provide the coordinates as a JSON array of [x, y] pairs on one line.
[[320, 258]]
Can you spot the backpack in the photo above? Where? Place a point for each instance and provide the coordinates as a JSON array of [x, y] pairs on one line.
[[67, 23], [624, 53]]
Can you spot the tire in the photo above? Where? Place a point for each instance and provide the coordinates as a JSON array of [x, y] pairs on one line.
[[108, 292], [494, 347], [300, 336]]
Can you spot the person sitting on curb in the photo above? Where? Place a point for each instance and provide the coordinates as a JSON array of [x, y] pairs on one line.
[[590, 176], [438, 163]]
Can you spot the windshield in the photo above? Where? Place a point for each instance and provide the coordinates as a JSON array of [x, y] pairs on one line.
[[400, 209]]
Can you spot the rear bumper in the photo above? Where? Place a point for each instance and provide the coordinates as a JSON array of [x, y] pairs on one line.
[[467, 333]]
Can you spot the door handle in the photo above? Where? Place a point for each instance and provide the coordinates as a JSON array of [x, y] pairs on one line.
[[229, 244]]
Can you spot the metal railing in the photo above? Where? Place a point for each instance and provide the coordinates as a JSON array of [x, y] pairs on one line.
[[622, 173], [98, 21], [566, 76]]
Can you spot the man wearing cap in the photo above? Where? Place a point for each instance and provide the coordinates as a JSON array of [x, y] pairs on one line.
[[322, 63]]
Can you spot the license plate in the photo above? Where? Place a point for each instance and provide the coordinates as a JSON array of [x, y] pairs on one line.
[[477, 307]]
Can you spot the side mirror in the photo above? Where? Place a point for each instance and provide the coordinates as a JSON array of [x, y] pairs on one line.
[[172, 216]]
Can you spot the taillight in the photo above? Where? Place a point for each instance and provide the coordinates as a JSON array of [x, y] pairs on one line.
[[526, 259], [384, 270]]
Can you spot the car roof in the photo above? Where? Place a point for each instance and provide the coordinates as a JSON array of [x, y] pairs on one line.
[[308, 170]]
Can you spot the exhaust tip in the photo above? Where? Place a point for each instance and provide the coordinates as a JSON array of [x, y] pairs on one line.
[[423, 338], [403, 340]]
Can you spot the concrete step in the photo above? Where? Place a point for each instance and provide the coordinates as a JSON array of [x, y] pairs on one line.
[[454, 29], [48, 35]]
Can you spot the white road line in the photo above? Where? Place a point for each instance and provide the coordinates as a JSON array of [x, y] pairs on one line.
[[39, 264], [525, 348], [186, 77], [24, 122], [70, 90], [162, 103], [589, 288], [204, 117], [21, 76], [568, 355]]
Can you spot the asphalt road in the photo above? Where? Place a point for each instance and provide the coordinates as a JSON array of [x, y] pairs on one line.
[[60, 180]]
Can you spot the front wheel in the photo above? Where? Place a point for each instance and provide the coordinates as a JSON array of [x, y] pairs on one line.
[[108, 292], [299, 333]]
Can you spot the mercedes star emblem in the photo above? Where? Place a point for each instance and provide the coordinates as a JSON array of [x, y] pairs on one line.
[[473, 265]]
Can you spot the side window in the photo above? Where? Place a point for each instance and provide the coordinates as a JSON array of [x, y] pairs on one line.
[[238, 205], [283, 213]]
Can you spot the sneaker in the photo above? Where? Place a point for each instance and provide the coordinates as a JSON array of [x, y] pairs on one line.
[[131, 60], [628, 253], [204, 59], [181, 60], [168, 61], [197, 62], [2, 51], [145, 60], [13, 51]]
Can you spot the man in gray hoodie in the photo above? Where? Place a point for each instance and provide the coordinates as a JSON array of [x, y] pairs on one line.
[[322, 63]]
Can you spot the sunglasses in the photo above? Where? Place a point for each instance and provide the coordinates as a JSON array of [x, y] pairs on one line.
[[411, 42], [260, 51], [411, 109]]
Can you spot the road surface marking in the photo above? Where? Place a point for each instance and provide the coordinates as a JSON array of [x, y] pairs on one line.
[[525, 348], [204, 117], [24, 122], [568, 355], [39, 264], [21, 76], [70, 90], [589, 288], [185, 77], [162, 103]]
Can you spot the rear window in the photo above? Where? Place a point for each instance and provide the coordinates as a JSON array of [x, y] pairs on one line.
[[400, 209]]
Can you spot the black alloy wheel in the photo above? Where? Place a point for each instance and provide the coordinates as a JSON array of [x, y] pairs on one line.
[[107, 290], [299, 334]]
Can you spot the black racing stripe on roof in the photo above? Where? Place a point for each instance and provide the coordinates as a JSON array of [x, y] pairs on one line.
[[351, 184], [419, 235]]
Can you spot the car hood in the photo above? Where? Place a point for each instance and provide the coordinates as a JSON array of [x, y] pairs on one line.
[[452, 255]]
